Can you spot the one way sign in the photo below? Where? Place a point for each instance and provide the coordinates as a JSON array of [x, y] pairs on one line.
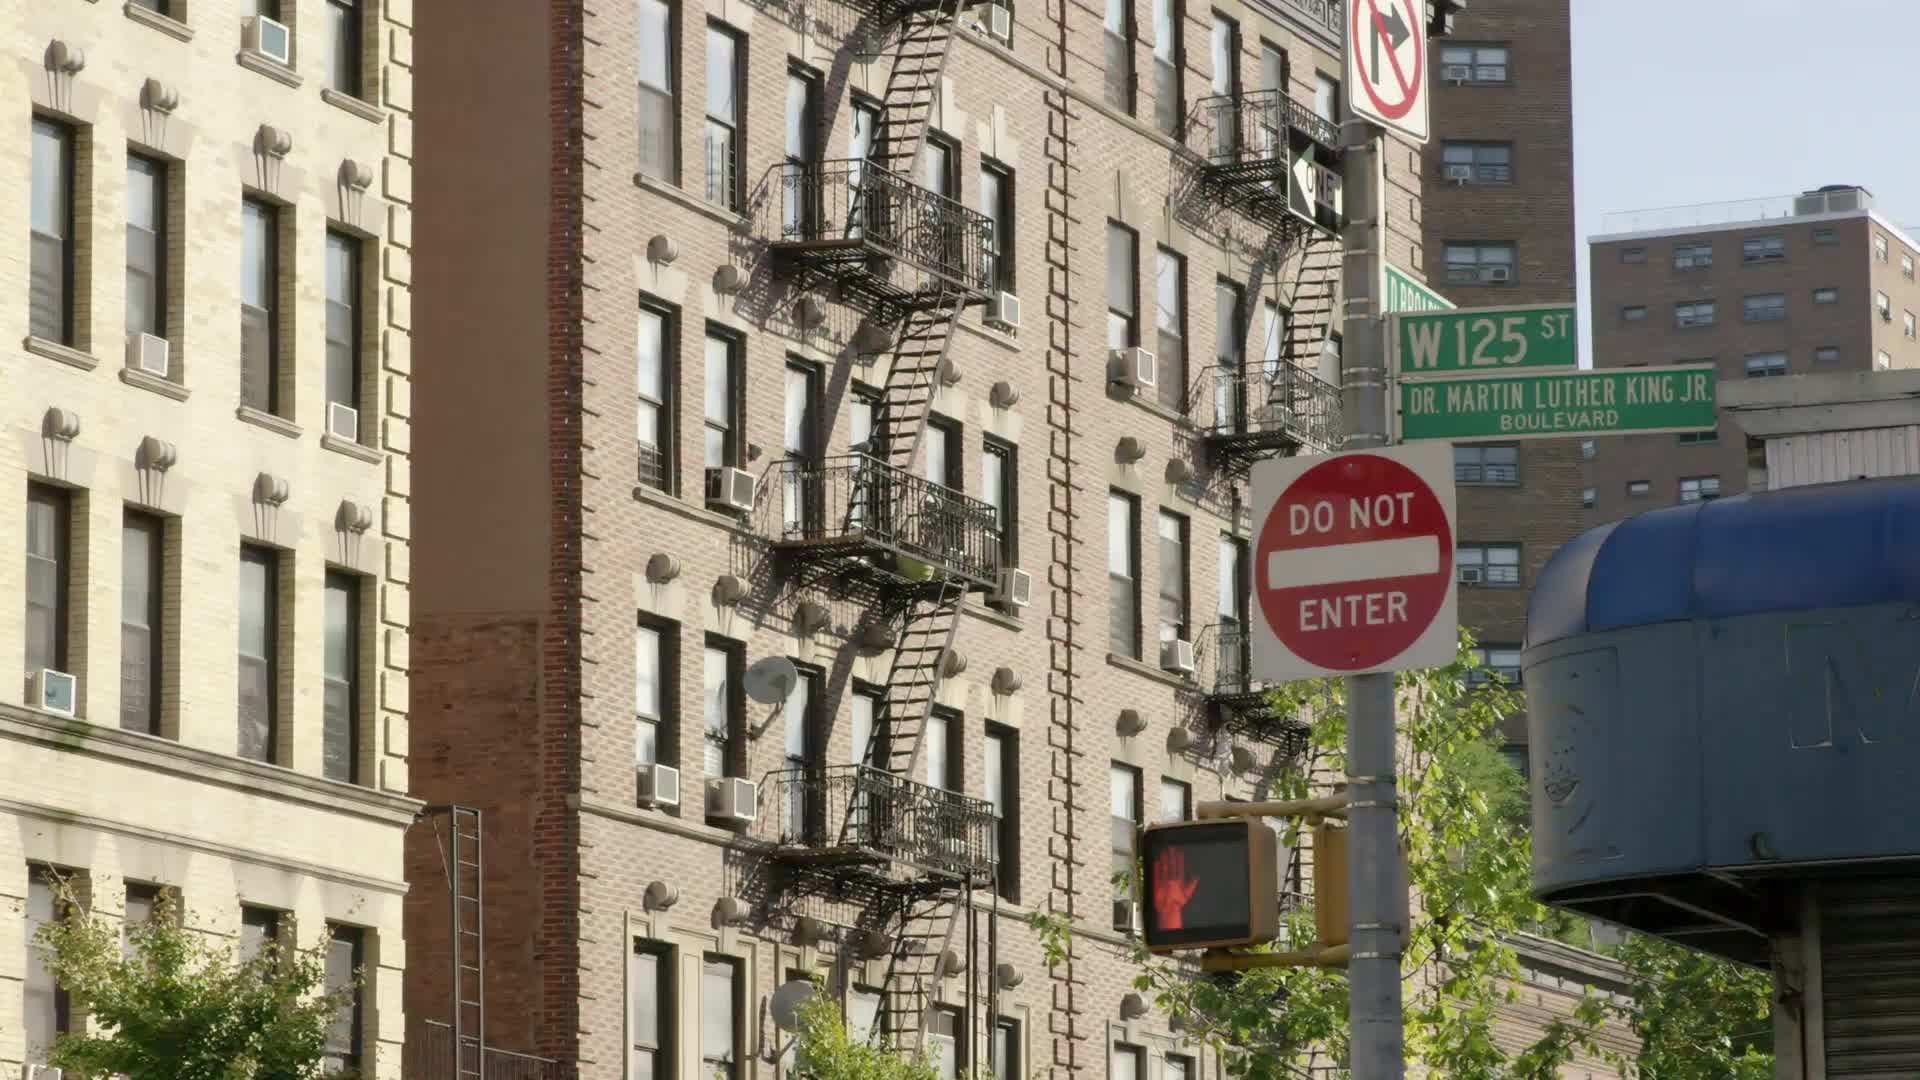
[[1387, 64]]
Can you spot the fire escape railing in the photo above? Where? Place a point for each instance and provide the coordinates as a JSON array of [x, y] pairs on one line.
[[846, 504], [849, 812], [1286, 406], [1252, 128], [853, 206]]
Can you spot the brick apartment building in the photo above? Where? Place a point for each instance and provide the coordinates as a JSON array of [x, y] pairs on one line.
[[1816, 283], [203, 689], [762, 332]]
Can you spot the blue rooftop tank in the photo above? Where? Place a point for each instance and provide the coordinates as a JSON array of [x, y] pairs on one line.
[[1723, 696]]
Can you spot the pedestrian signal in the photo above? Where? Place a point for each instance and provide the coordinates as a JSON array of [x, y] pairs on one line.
[[1209, 884]]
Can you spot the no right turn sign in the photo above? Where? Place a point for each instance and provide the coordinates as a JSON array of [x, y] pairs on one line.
[[1387, 64]]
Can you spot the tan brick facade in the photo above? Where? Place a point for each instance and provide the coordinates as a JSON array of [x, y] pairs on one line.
[[177, 807]]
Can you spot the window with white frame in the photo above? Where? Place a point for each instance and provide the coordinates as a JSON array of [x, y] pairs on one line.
[[1589, 497], [1488, 564], [1633, 256], [1906, 266], [1633, 313], [1589, 449], [659, 130], [1697, 438], [1495, 662], [1825, 236], [1638, 487], [1763, 365], [1464, 63], [1826, 296], [1906, 325], [1882, 361], [1826, 354], [1699, 488], [1756, 249], [1490, 465], [1490, 264], [1466, 162], [1124, 818], [1694, 313], [720, 1018], [650, 1000], [1692, 256], [651, 648], [1764, 307], [1880, 246]]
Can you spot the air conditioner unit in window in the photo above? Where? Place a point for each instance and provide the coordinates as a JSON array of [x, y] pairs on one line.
[[343, 421], [1472, 575], [44, 1072], [1004, 312], [733, 799], [1496, 273], [1132, 367], [1456, 73], [1125, 915], [150, 354], [1177, 656], [998, 21], [53, 691], [730, 489], [1459, 174], [659, 785], [1015, 588], [270, 38]]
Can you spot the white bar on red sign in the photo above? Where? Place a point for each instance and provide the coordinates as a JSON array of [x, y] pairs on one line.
[[1369, 560]]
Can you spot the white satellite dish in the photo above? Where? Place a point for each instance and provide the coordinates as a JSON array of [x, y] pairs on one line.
[[769, 681], [786, 1002]]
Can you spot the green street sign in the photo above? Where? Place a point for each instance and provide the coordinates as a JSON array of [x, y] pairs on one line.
[[1404, 293], [1482, 341], [1558, 405]]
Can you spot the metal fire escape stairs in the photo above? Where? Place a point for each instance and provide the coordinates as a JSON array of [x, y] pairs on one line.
[[913, 84], [1308, 329]]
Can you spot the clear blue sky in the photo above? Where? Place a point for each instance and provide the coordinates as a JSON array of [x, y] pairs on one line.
[[1690, 101]]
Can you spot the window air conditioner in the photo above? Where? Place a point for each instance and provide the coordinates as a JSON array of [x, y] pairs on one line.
[[1456, 73], [1125, 915], [343, 421], [1177, 656], [730, 489], [1496, 273], [149, 354], [270, 38], [1459, 174], [659, 784], [44, 1072], [1015, 588], [1472, 575], [53, 691], [1132, 367], [1004, 312], [998, 20], [733, 799]]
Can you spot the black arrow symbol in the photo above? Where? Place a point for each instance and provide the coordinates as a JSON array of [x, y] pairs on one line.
[[1395, 29]]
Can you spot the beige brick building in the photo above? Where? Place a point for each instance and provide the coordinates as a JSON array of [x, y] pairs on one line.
[[1816, 283], [204, 527]]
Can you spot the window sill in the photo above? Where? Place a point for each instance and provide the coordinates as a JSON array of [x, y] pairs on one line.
[[995, 616], [1159, 409], [999, 338], [154, 384], [66, 354], [170, 27], [265, 65], [276, 424], [365, 110], [664, 501], [351, 449], [1128, 663], [718, 213]]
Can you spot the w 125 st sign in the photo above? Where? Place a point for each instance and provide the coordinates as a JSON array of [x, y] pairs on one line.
[[1484, 341]]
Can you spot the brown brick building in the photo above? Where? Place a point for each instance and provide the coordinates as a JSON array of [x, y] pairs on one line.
[[772, 332], [1810, 284]]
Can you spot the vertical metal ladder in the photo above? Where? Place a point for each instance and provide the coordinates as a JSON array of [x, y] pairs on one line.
[[913, 84], [468, 942], [922, 342], [925, 930], [926, 636], [1309, 319]]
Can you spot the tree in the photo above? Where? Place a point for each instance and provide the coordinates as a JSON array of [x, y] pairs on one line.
[[173, 1005], [1698, 1017], [825, 1051]]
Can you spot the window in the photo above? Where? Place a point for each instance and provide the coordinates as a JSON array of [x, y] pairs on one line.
[[723, 116], [1637, 487], [1479, 263], [49, 563], [939, 166], [650, 986], [1693, 313], [1699, 488], [1224, 43], [1177, 1067], [259, 306], [1174, 612], [1633, 255], [162, 7], [1765, 307], [655, 681], [1128, 1063], [1169, 64], [720, 1018], [1123, 286], [943, 749], [1326, 97], [1906, 323], [1170, 319], [1006, 1049], [259, 928], [1119, 55], [1488, 564], [1589, 449], [50, 271], [1588, 497], [1490, 163], [722, 410], [146, 246], [1763, 249], [1495, 662], [866, 706], [1275, 333], [1906, 266], [47, 1012], [1499, 465], [343, 321], [658, 113], [1698, 438], [1880, 246], [1474, 63], [1825, 236], [1000, 489], [1229, 353], [1826, 296], [1692, 256], [1883, 305], [1761, 365], [1176, 799], [1826, 354], [863, 1013], [654, 382], [1000, 769], [726, 750], [944, 441], [1124, 819], [340, 727], [1232, 593], [343, 47], [346, 963], [259, 652], [1276, 72], [1882, 361], [800, 439], [1123, 574], [142, 589], [804, 745], [800, 198], [944, 1051], [996, 202], [1633, 313]]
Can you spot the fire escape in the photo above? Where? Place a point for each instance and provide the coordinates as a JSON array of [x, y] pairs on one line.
[[868, 526]]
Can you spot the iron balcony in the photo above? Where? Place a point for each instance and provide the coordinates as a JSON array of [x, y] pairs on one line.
[[1245, 415], [1269, 157], [860, 819], [880, 520]]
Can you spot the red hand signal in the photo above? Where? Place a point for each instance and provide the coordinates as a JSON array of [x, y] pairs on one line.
[[1171, 888]]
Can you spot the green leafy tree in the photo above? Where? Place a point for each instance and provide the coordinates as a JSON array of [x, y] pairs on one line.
[[1698, 1017], [172, 1004], [824, 1050]]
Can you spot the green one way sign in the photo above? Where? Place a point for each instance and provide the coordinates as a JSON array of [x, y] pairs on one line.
[[1485, 340], [1559, 405]]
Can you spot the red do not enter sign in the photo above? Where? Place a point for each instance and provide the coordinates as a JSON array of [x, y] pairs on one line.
[[1354, 563]]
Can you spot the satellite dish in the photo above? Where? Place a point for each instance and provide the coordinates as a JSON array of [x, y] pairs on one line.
[[769, 681], [786, 1003]]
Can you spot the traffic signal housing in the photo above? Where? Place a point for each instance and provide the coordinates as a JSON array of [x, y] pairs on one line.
[[1209, 884]]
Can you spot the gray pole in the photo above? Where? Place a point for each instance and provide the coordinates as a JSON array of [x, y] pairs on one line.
[[1373, 875]]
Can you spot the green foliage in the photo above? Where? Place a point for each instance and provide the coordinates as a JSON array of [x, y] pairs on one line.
[[1698, 1017], [824, 1050], [174, 1005]]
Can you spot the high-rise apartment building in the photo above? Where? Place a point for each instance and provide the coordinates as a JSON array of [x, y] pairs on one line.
[[204, 515], [1816, 283]]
